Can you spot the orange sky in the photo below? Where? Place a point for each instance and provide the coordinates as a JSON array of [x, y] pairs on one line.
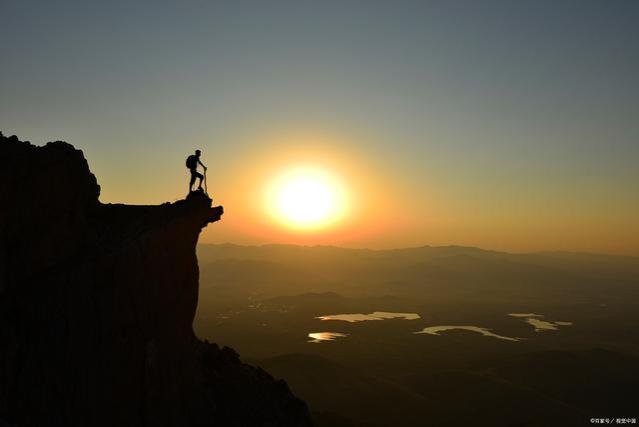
[[391, 207]]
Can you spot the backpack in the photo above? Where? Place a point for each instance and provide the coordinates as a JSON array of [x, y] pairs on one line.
[[191, 162]]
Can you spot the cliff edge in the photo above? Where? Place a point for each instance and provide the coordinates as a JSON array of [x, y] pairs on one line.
[[96, 308]]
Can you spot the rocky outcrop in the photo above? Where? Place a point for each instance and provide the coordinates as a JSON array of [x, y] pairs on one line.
[[97, 303]]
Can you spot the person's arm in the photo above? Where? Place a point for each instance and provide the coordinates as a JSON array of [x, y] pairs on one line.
[[201, 164]]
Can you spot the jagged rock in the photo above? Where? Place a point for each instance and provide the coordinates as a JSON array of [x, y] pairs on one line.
[[97, 303]]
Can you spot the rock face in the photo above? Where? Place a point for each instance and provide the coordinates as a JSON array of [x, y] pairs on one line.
[[96, 308]]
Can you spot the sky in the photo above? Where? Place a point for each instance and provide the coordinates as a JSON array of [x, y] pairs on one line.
[[509, 125]]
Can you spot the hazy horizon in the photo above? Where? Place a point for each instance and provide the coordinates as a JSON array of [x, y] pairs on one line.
[[399, 248]]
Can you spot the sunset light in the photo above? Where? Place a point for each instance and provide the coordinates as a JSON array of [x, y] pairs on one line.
[[306, 198]]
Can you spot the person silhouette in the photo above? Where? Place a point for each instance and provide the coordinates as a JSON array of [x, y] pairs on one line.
[[191, 163]]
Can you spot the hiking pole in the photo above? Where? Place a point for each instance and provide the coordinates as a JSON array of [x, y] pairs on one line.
[[206, 190]]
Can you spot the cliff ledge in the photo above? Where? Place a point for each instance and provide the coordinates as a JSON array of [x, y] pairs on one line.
[[96, 308]]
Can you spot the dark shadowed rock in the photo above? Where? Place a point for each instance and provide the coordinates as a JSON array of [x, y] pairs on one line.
[[96, 308]]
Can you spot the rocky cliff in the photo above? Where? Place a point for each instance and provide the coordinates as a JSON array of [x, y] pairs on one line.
[[96, 307]]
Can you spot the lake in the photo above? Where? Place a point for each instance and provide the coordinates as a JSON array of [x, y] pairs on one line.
[[318, 337], [539, 324], [377, 315], [435, 330]]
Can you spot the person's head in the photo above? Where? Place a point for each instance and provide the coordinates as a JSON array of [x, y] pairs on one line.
[[198, 152]]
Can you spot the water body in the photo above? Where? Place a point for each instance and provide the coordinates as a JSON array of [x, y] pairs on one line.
[[378, 315], [318, 337], [435, 330], [540, 325], [525, 315]]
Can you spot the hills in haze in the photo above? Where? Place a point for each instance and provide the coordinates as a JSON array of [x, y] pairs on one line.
[[266, 300]]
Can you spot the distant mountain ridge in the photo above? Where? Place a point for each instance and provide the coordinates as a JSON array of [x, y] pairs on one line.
[[230, 248], [453, 259]]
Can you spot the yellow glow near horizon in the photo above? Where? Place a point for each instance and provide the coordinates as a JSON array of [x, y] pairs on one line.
[[306, 198]]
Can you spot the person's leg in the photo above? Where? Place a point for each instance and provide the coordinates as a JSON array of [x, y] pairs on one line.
[[201, 177], [193, 175]]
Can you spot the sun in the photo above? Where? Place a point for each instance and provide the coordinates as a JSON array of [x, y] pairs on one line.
[[306, 198]]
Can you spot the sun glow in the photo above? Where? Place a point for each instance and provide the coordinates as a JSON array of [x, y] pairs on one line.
[[306, 198]]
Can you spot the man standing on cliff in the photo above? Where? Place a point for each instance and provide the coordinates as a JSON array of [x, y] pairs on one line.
[[191, 163]]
